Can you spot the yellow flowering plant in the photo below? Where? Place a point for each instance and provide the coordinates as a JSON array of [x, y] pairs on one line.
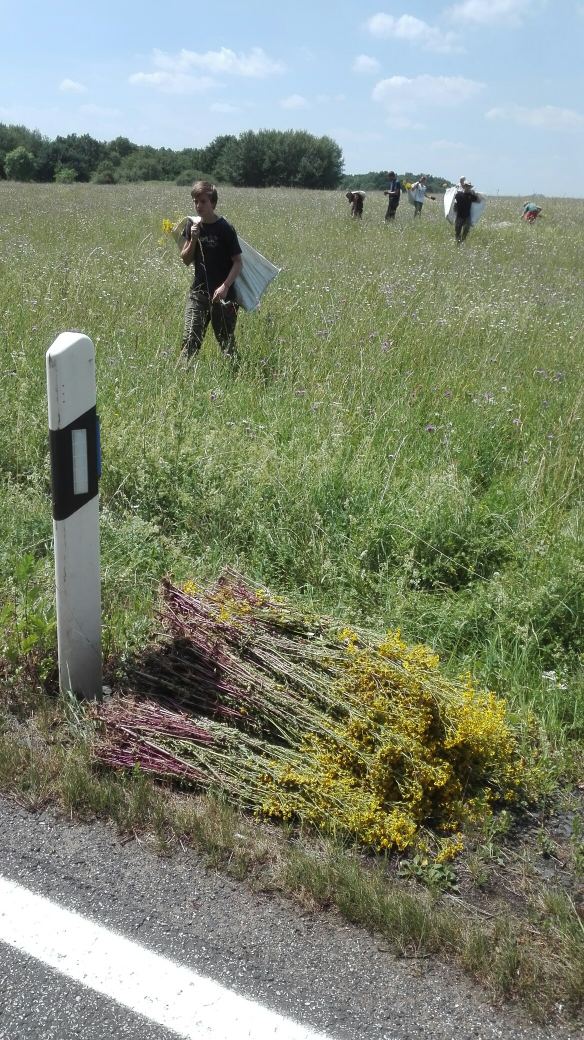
[[302, 719]]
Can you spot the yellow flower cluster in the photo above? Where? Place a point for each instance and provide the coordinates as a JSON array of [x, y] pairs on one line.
[[412, 750], [226, 607], [449, 849], [373, 742]]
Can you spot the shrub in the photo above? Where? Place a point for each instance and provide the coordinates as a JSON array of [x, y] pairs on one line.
[[65, 175], [19, 164]]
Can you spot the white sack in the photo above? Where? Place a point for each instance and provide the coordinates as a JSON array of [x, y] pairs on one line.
[[256, 275], [256, 271], [476, 208]]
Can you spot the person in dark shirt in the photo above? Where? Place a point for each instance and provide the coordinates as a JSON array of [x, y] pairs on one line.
[[393, 193], [356, 199], [463, 201], [212, 245]]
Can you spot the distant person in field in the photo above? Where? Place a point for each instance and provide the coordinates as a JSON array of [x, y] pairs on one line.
[[463, 201], [531, 211], [418, 190], [356, 199], [211, 244], [393, 192]]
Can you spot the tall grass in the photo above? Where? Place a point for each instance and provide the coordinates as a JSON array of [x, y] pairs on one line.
[[402, 444]]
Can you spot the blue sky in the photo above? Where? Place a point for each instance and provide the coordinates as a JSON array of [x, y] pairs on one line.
[[492, 89]]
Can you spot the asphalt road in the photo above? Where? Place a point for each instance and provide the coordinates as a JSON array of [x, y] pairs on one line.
[[314, 969]]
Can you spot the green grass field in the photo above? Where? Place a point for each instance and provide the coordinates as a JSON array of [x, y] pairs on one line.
[[401, 445]]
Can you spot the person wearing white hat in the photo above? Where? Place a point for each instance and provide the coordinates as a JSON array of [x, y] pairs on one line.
[[463, 201]]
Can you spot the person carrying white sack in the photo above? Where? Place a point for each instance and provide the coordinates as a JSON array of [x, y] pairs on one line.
[[211, 244], [463, 201], [229, 273]]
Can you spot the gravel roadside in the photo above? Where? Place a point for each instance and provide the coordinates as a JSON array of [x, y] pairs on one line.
[[311, 967]]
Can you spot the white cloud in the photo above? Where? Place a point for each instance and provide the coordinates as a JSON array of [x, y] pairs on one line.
[[366, 65], [173, 82], [398, 121], [405, 99], [401, 92], [255, 64], [71, 86], [547, 117], [294, 101], [99, 110], [191, 72], [450, 152], [460, 147], [490, 12], [224, 107], [412, 30], [358, 136], [300, 101]]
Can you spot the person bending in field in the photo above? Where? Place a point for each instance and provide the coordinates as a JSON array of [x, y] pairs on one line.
[[531, 211], [393, 192], [356, 199], [463, 201], [211, 244]]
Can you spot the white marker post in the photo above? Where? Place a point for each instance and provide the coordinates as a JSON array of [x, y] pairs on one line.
[[74, 441]]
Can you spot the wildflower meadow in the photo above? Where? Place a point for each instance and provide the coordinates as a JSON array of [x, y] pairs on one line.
[[342, 585], [400, 448]]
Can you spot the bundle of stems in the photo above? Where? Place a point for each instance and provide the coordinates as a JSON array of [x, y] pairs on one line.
[[234, 653], [298, 717], [137, 733]]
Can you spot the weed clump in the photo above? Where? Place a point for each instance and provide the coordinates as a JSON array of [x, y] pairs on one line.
[[302, 719]]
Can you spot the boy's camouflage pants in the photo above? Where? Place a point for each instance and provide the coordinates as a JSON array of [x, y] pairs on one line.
[[199, 311]]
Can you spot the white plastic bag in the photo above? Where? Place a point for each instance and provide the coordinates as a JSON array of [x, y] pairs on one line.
[[476, 208], [256, 271], [256, 275], [178, 231]]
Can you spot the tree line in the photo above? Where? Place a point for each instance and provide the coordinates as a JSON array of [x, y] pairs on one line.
[[377, 181], [266, 158], [289, 158]]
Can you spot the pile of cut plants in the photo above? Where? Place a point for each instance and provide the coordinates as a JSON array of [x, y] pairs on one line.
[[301, 718]]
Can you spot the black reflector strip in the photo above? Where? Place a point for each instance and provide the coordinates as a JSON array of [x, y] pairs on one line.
[[65, 501]]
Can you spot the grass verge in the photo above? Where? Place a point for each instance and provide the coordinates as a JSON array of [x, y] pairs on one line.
[[509, 913]]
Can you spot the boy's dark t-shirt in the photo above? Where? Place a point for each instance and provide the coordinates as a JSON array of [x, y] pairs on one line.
[[218, 244], [463, 201]]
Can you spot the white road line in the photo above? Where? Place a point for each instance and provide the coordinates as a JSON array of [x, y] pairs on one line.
[[170, 994]]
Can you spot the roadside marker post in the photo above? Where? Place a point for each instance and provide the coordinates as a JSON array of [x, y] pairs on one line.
[[75, 471]]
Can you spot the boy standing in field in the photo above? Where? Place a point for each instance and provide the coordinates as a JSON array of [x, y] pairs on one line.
[[418, 193], [211, 244]]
